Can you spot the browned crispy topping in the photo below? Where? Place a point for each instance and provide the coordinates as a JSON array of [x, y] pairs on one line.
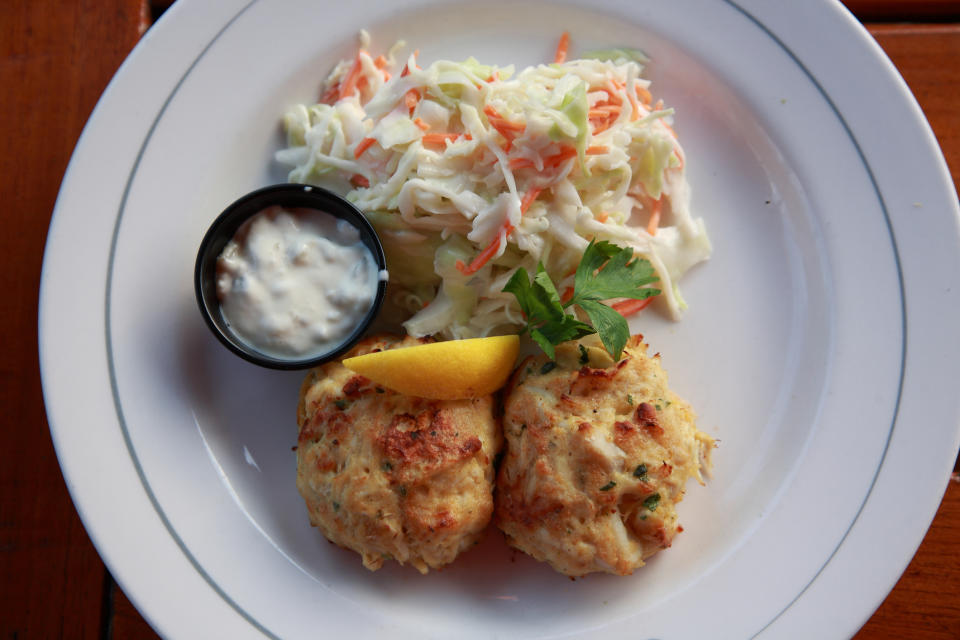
[[426, 437], [444, 521], [325, 423], [355, 386], [646, 416]]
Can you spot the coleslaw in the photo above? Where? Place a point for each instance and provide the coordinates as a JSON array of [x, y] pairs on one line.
[[469, 171]]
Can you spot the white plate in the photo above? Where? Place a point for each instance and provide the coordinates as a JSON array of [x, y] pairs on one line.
[[820, 347]]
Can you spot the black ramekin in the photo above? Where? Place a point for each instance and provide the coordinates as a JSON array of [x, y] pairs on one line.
[[224, 228]]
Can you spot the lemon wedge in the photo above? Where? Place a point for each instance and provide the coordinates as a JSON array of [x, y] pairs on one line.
[[449, 370]]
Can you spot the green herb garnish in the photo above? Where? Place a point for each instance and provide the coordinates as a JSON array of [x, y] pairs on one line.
[[640, 471], [548, 367], [608, 486], [652, 501], [605, 271]]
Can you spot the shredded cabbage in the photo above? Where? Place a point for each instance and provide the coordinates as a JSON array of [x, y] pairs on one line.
[[469, 171]]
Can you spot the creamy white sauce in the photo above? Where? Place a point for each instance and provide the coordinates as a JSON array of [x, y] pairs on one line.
[[295, 282]]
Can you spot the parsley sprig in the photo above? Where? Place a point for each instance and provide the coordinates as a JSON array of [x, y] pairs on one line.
[[605, 271]]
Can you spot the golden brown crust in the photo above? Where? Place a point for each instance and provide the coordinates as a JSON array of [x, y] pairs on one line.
[[596, 460], [394, 476]]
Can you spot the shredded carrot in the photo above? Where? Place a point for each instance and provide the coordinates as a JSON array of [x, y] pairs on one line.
[[381, 63], [331, 95], [602, 216], [441, 138], [411, 98], [501, 122], [604, 114], [644, 96], [613, 97], [559, 158], [504, 127], [599, 126], [484, 256], [555, 159], [358, 180], [634, 105], [549, 162], [528, 198], [567, 294], [349, 83], [362, 146], [629, 306], [406, 67], [562, 46], [655, 216], [604, 111], [679, 156], [421, 124]]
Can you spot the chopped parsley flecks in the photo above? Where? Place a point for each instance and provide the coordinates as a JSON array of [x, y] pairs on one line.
[[608, 486], [340, 404], [584, 356], [547, 367], [630, 399], [640, 471], [652, 501]]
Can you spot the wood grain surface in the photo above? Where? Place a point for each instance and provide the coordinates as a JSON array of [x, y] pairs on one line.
[[55, 60], [904, 10]]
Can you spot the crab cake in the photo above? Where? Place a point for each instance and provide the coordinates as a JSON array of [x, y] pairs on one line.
[[394, 476], [597, 456]]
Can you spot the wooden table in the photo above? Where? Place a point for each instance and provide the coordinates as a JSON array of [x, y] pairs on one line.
[[55, 60]]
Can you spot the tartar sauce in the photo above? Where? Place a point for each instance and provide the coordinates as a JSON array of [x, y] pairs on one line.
[[295, 282]]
